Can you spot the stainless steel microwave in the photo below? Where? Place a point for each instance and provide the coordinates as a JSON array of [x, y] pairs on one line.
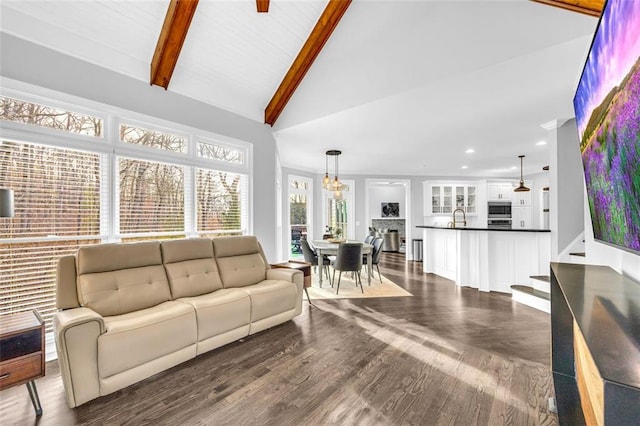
[[499, 210]]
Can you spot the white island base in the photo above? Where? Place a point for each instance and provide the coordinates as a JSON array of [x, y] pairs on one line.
[[486, 259]]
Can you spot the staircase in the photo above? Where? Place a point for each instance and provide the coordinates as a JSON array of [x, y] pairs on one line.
[[537, 296]]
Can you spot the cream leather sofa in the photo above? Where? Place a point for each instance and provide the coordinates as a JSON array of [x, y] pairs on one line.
[[129, 311]]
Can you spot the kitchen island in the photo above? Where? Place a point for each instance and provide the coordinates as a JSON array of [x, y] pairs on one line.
[[486, 259]]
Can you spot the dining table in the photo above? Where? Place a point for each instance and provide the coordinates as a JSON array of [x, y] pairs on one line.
[[330, 248]]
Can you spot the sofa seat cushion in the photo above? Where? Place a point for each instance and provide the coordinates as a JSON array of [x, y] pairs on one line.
[[138, 337], [271, 297], [220, 311]]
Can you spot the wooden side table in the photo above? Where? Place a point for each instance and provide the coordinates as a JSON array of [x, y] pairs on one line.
[[22, 353], [305, 267]]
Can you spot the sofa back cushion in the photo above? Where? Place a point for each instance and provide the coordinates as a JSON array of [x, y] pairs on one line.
[[240, 260], [115, 279], [191, 268]]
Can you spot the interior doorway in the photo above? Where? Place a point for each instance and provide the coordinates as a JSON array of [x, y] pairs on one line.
[[388, 210]]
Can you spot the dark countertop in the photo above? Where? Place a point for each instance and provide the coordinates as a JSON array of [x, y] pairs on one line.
[[606, 306], [466, 228]]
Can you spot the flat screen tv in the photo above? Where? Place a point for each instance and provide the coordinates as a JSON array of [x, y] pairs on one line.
[[607, 106]]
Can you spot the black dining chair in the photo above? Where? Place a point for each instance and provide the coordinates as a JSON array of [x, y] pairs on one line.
[[348, 259], [375, 255], [312, 257]]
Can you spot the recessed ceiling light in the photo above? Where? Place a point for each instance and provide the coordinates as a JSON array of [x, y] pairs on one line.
[[513, 168], [470, 151], [465, 167], [541, 143]]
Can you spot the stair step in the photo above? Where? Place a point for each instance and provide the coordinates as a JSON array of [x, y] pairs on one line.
[[545, 278], [532, 291], [581, 254], [537, 299]]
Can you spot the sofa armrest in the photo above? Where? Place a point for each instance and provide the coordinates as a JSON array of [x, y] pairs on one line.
[[76, 333], [292, 275], [286, 274]]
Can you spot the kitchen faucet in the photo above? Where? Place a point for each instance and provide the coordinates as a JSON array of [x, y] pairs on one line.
[[464, 217]]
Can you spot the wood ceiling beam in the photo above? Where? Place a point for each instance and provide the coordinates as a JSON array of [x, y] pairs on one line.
[[588, 7], [262, 6], [174, 32], [319, 35]]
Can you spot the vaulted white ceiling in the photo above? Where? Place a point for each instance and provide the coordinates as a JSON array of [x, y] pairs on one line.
[[401, 87]]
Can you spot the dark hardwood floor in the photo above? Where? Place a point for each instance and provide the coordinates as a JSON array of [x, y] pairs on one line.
[[447, 355]]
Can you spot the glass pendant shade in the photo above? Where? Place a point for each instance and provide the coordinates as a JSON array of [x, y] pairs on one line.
[[326, 180], [333, 185]]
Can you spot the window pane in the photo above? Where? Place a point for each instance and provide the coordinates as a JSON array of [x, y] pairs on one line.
[[299, 184], [222, 153], [57, 191], [152, 138], [53, 118], [221, 202], [151, 197], [298, 209], [28, 276]]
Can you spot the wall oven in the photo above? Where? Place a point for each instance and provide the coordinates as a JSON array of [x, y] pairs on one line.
[[499, 224], [499, 210]]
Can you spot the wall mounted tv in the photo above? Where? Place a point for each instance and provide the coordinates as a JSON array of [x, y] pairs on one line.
[[607, 106]]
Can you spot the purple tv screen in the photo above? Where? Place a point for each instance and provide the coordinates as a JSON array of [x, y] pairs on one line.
[[607, 106]]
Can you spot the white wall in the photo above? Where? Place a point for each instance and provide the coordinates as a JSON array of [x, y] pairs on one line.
[[36, 65], [536, 182], [379, 194]]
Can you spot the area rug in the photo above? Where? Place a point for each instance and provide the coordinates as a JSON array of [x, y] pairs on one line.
[[348, 289]]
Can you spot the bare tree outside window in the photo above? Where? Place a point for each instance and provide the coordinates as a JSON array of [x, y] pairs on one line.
[[219, 201], [152, 138], [39, 115], [151, 197], [221, 153]]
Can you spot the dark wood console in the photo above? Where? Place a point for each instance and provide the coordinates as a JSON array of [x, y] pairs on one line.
[[22, 353], [595, 345]]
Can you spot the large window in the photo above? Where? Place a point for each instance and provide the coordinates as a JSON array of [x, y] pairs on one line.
[[300, 196], [57, 203], [74, 184]]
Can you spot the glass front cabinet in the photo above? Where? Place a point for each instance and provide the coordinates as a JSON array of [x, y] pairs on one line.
[[445, 198]]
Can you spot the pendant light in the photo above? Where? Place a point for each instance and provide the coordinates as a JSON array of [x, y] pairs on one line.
[[334, 185], [521, 188], [326, 180]]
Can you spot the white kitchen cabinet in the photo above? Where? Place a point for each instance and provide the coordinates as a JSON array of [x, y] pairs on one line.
[[499, 191], [521, 198], [521, 217], [445, 198], [489, 260]]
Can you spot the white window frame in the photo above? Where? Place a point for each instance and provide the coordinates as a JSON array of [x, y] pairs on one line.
[[111, 145]]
